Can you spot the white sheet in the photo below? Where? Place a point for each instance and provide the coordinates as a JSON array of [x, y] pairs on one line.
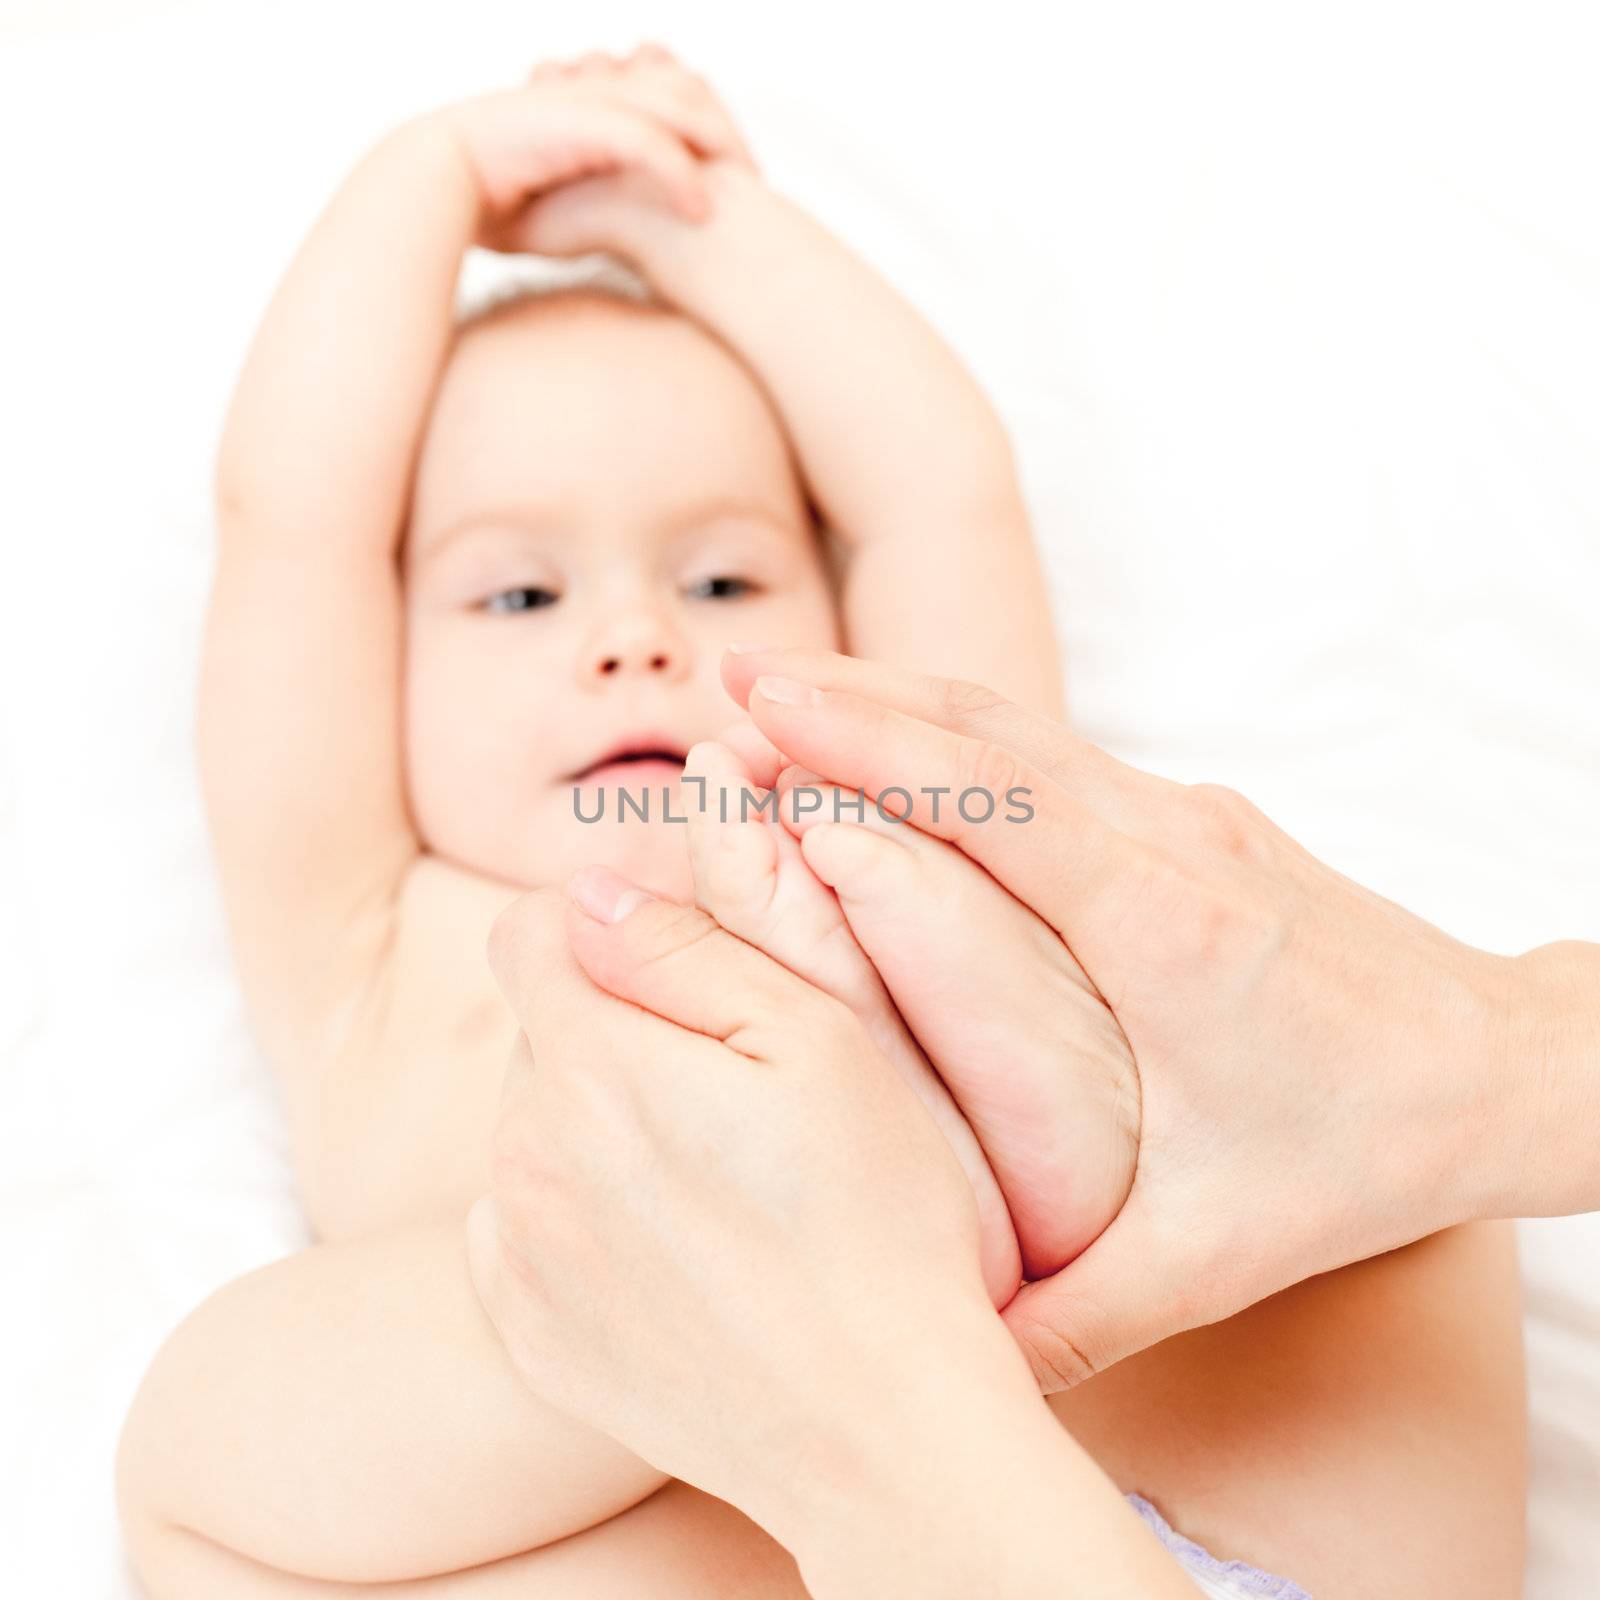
[[1295, 323]]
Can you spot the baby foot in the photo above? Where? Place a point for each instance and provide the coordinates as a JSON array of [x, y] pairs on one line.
[[750, 874], [1032, 1055]]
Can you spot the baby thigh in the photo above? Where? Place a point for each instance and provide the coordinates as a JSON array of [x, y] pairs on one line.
[[679, 1544], [349, 1414], [1361, 1433]]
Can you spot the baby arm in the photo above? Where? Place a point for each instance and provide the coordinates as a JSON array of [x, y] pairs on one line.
[[903, 454], [300, 699], [906, 459], [350, 1414], [299, 723]]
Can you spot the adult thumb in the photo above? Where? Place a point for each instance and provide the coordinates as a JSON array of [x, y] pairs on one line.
[[680, 963], [1127, 1291]]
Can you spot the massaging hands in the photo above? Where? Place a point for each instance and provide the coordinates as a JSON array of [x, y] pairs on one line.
[[912, 935], [641, 126], [1305, 1049], [735, 1240]]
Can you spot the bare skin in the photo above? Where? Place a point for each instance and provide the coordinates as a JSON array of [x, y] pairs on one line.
[[394, 716], [360, 924]]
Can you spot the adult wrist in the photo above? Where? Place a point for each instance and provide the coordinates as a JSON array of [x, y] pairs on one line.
[[958, 1513], [1542, 1119], [932, 1485]]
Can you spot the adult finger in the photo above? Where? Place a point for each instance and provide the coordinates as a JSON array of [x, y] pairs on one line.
[[762, 759], [679, 963], [552, 997], [959, 706], [1047, 846]]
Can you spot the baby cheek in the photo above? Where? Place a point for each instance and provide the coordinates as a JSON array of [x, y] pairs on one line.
[[482, 733]]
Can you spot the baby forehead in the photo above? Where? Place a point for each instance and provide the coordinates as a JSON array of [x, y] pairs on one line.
[[588, 395], [579, 369], [585, 327]]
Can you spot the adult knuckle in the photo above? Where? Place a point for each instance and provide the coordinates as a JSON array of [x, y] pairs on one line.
[[1206, 920], [988, 767], [1225, 925], [963, 703], [1227, 821], [1058, 1361], [667, 931]]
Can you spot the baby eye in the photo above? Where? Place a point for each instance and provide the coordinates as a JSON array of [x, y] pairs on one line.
[[521, 600], [721, 588]]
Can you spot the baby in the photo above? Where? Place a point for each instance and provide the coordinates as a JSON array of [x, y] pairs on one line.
[[472, 580]]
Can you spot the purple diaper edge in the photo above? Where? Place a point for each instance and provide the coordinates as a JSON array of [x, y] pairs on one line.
[[1251, 1579]]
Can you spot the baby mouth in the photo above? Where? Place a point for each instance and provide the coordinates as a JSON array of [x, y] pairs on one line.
[[634, 764]]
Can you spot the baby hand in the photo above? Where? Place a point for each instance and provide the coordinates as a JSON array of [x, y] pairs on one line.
[[751, 876], [645, 116]]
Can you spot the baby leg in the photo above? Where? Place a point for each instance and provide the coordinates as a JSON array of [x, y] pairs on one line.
[[679, 1544], [1031, 1053], [349, 1414]]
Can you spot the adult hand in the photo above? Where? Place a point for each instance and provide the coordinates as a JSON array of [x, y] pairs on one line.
[[1322, 1075], [736, 1241]]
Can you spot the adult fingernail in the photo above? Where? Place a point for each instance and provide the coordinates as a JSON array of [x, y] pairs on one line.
[[794, 774], [605, 895], [786, 692]]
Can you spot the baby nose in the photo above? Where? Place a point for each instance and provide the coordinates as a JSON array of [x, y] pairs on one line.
[[616, 661], [640, 645]]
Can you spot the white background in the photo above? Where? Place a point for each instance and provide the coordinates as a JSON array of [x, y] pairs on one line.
[[1294, 313]]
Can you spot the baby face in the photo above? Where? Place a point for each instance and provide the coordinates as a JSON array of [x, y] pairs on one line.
[[604, 501]]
